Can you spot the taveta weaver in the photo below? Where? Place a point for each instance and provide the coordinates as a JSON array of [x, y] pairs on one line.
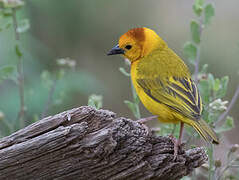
[[163, 82]]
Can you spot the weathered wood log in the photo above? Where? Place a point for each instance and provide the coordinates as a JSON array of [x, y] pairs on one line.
[[84, 143]]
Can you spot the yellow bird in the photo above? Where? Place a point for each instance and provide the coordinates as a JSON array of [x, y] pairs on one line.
[[163, 82]]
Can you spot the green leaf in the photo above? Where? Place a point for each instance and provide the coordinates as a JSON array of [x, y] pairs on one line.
[[199, 3], [212, 117], [208, 13], [204, 69], [204, 90], [23, 26], [198, 7], [7, 72], [223, 87], [226, 126], [95, 101], [135, 95], [216, 85], [18, 51], [137, 100], [7, 12], [195, 31], [197, 10], [190, 51], [211, 81], [123, 71], [13, 4]]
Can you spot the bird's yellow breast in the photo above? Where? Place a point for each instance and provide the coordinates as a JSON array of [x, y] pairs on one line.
[[164, 113]]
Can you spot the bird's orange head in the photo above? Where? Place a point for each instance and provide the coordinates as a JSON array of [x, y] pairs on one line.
[[137, 43]]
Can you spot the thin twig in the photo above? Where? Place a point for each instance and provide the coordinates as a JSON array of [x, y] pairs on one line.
[[234, 166], [15, 24], [197, 60], [232, 102], [20, 74], [197, 65], [211, 162], [49, 100]]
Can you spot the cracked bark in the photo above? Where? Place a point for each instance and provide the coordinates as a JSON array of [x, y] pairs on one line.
[[84, 143]]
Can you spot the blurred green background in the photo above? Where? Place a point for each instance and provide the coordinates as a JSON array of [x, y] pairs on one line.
[[85, 30]]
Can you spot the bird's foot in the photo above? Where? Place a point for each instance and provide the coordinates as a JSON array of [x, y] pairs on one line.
[[144, 120], [177, 146]]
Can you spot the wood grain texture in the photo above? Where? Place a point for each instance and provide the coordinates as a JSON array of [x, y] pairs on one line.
[[84, 143]]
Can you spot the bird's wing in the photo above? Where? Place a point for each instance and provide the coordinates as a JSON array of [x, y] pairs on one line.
[[179, 94]]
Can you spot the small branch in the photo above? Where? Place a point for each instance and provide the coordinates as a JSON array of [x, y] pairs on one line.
[[50, 98], [232, 102], [20, 74], [15, 24], [197, 65], [197, 60], [21, 92], [211, 162]]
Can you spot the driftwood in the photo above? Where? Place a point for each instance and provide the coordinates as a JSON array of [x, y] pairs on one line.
[[84, 143]]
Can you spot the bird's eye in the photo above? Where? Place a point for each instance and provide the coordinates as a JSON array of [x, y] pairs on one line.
[[128, 47]]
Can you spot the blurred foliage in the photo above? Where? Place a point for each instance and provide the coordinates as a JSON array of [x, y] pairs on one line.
[[7, 72], [95, 101], [83, 30], [45, 89]]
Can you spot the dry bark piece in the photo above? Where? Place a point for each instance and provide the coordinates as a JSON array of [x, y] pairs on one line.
[[84, 143]]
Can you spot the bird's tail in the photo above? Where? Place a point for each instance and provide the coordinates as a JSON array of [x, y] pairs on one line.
[[205, 131]]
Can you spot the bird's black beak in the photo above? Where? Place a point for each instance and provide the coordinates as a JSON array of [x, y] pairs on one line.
[[115, 50]]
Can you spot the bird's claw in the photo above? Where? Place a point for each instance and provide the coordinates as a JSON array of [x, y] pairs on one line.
[[177, 145]]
